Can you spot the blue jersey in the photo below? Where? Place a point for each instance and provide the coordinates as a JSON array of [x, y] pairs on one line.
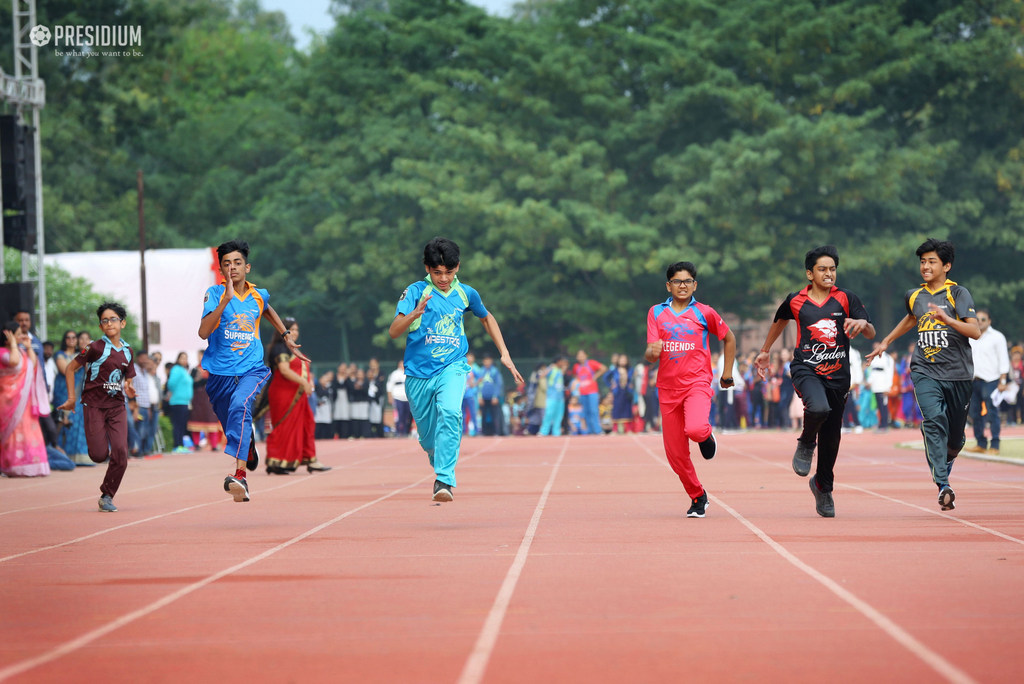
[[234, 346], [438, 338]]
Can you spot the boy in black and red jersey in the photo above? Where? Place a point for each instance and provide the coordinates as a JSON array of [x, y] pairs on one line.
[[108, 380], [827, 318]]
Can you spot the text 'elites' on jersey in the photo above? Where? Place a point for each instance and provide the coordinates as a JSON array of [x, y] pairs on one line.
[[234, 346], [822, 345], [941, 352], [438, 338], [685, 357]]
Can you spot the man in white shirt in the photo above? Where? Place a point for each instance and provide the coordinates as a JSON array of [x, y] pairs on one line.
[[991, 369], [880, 374], [399, 400]]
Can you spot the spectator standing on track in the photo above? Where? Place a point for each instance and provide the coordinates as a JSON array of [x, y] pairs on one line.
[[827, 317], [234, 357], [991, 358], [108, 372], [491, 388], [881, 372], [586, 371], [431, 311], [677, 335], [942, 367], [179, 397]]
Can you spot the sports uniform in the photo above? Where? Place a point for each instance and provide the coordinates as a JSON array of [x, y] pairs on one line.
[[103, 407], [821, 371], [234, 359], [942, 369], [436, 368], [684, 381]]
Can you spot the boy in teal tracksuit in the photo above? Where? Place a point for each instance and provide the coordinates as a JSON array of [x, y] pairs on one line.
[[431, 311], [554, 408]]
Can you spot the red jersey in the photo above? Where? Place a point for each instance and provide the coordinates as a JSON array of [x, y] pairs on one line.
[[685, 357]]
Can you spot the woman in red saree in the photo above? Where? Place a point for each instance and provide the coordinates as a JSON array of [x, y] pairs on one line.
[[290, 443], [22, 394]]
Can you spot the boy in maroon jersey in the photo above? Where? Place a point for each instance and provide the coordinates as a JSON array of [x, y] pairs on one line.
[[827, 319], [108, 379]]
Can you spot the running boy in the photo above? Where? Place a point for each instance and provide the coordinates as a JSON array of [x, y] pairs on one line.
[[942, 368], [234, 357], [432, 312], [108, 380], [827, 319], [677, 340]]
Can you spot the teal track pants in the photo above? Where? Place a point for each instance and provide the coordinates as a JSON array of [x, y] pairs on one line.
[[436, 404], [944, 406]]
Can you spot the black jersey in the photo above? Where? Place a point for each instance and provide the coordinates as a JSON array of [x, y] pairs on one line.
[[822, 346]]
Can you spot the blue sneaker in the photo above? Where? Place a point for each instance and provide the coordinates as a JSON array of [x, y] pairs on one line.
[[107, 504]]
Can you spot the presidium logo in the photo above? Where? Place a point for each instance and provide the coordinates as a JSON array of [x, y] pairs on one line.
[[90, 41]]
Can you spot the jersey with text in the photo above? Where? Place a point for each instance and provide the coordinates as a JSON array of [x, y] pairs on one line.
[[438, 338], [106, 368], [941, 352], [234, 346], [685, 358], [822, 345]]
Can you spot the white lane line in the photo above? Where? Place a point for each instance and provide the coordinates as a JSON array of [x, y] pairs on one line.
[[93, 497], [476, 664], [89, 637], [945, 669]]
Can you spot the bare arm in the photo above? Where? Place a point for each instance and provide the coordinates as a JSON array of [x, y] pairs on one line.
[[69, 376], [278, 324], [906, 325], [761, 362], [730, 359], [491, 326], [967, 327], [286, 371], [12, 347], [653, 351]]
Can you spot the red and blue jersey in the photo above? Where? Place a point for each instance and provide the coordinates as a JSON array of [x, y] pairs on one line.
[[234, 346], [685, 357]]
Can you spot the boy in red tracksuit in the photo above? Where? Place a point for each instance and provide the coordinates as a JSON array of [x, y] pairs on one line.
[[677, 339]]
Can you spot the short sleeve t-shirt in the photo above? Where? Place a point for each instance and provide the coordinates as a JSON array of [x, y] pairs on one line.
[[438, 338], [586, 376], [941, 352], [822, 345], [106, 368], [685, 356], [234, 346]]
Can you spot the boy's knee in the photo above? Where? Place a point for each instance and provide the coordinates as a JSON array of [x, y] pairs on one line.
[[815, 415]]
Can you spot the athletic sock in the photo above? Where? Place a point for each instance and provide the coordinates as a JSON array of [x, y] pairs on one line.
[[240, 474]]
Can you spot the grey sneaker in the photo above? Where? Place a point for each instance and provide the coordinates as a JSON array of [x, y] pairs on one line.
[[802, 458], [822, 500], [946, 498], [107, 504], [698, 506], [442, 491]]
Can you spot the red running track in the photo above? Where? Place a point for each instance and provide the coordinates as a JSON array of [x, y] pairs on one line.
[[560, 559]]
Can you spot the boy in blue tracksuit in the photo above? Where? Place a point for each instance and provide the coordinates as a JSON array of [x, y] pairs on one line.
[[234, 357], [554, 407], [431, 311]]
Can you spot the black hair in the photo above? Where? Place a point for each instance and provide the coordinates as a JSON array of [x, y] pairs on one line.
[[233, 246], [441, 251], [278, 339], [113, 306], [812, 257], [942, 248], [560, 357], [681, 266], [12, 326]]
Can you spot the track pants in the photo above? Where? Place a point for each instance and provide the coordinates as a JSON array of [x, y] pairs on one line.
[[232, 397], [823, 423], [684, 417], [436, 404], [106, 434], [944, 407]]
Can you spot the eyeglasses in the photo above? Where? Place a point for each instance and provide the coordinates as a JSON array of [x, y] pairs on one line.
[[108, 321], [676, 282]]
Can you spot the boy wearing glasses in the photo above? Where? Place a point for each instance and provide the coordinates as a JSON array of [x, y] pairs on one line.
[[677, 340], [827, 319], [108, 380]]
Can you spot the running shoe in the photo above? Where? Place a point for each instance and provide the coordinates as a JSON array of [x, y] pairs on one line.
[[253, 461], [822, 500], [946, 498], [698, 506], [107, 504], [802, 458], [237, 487], [442, 491], [709, 447]]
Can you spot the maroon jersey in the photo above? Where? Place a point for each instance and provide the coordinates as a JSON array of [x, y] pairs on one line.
[[106, 368], [822, 346]]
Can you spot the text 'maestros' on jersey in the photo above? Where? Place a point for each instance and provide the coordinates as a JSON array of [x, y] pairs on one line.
[[234, 346], [822, 345], [685, 357], [941, 352], [439, 339]]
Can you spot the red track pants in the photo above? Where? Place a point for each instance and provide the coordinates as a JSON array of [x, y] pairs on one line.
[[685, 415]]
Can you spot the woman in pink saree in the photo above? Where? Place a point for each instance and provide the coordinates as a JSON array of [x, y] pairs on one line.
[[22, 449]]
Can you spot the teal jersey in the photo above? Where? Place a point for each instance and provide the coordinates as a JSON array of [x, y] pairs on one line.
[[438, 338]]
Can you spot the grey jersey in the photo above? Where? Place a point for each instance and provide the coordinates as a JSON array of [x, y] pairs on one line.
[[941, 352]]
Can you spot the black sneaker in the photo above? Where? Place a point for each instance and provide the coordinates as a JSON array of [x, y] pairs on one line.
[[698, 506], [442, 491], [253, 461], [708, 447], [822, 500], [946, 498], [107, 504], [802, 458], [237, 487]]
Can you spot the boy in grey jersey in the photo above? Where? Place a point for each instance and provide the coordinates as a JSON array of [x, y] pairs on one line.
[[942, 367]]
